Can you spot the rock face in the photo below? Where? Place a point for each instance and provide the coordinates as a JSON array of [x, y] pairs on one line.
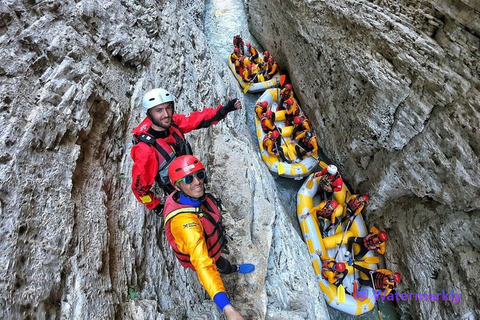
[[74, 242], [392, 88]]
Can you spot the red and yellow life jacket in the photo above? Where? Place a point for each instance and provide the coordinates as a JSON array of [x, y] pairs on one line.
[[211, 219]]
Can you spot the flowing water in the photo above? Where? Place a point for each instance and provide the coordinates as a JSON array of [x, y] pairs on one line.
[[223, 20]]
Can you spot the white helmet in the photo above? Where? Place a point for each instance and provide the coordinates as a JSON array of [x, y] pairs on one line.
[[155, 97], [332, 169]]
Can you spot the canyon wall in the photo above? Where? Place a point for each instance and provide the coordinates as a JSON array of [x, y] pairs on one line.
[[392, 89]]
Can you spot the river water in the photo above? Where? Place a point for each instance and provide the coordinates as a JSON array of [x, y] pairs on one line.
[[223, 20]]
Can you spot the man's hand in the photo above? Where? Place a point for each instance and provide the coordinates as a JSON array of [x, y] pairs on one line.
[[231, 313]]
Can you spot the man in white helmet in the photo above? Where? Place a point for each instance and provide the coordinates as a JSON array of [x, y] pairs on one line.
[[330, 179], [160, 139]]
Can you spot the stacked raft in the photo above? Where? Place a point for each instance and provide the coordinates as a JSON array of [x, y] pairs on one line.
[[258, 86], [307, 198], [297, 168]]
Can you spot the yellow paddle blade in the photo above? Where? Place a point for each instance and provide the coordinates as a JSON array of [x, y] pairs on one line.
[[247, 87], [341, 293], [281, 168], [375, 259], [291, 153], [261, 78], [310, 184]]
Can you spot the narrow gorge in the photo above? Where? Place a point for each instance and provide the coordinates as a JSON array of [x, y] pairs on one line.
[[391, 87]]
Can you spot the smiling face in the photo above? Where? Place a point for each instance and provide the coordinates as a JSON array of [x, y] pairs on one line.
[[194, 189], [161, 116]]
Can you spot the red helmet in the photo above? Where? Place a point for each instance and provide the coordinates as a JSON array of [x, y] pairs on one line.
[[236, 49], [266, 53], [288, 86], [334, 204], [397, 277], [183, 166], [340, 267], [263, 104], [269, 113], [241, 58], [275, 134], [270, 60], [364, 197], [297, 120], [382, 235], [249, 44], [289, 101]]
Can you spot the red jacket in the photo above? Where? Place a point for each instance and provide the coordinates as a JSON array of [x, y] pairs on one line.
[[147, 160], [335, 181]]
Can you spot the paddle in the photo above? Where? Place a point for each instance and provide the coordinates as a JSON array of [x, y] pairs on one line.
[[282, 79], [290, 154], [370, 260], [249, 84], [378, 309], [341, 241], [310, 182], [341, 293], [281, 168]]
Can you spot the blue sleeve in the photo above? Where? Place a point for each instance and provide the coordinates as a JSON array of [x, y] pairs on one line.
[[221, 300]]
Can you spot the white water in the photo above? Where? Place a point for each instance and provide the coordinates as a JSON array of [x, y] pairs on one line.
[[223, 20]]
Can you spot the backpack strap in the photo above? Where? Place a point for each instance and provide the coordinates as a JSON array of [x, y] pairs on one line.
[[151, 141]]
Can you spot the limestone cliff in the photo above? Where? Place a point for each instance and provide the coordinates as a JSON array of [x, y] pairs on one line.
[[74, 242], [392, 88]]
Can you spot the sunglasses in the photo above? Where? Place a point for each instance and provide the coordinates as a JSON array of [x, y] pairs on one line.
[[201, 175]]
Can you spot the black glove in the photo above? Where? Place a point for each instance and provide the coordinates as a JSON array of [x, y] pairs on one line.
[[159, 209], [229, 107]]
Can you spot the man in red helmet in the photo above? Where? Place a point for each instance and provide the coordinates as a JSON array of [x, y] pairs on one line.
[[355, 204], [292, 110], [235, 55], [260, 108], [334, 272], [326, 210], [267, 121], [381, 279], [272, 143], [307, 144], [160, 138], [238, 43], [285, 94], [194, 230], [271, 68], [374, 240], [252, 52], [300, 125]]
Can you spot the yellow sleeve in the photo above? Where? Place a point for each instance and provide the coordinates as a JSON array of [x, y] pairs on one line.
[[374, 230], [274, 70], [270, 147], [188, 233], [359, 210], [270, 125], [315, 145], [330, 276], [382, 248], [300, 136]]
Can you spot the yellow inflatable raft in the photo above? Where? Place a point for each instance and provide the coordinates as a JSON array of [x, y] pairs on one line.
[[258, 86], [298, 168], [328, 247]]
